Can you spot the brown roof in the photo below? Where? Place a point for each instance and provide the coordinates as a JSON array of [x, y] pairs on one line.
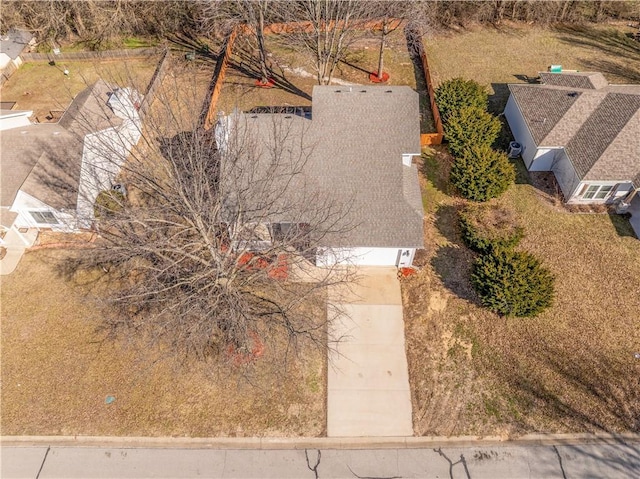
[[89, 110], [608, 122]]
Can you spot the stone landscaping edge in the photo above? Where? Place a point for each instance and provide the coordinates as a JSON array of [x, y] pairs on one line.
[[317, 442]]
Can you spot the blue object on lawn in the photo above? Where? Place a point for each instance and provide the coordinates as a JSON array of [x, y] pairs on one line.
[[109, 399]]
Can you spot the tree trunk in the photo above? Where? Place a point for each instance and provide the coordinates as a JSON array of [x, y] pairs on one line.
[[261, 48], [385, 32]]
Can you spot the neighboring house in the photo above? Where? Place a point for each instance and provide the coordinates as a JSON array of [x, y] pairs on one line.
[[11, 46], [584, 130], [355, 148], [51, 173]]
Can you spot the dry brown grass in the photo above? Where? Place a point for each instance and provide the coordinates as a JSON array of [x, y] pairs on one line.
[[57, 370], [516, 52], [42, 88], [295, 78], [571, 369]]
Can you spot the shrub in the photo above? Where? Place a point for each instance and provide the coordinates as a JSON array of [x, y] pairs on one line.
[[486, 228], [108, 202], [513, 283], [471, 126], [481, 173], [457, 93]]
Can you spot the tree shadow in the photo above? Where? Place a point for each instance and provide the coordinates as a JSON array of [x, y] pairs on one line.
[[527, 79], [356, 67], [414, 47], [435, 167], [597, 393], [622, 225], [607, 67], [452, 263], [189, 45], [246, 64], [498, 100], [609, 42]]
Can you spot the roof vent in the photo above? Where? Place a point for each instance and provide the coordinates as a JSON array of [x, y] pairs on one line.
[[288, 117], [572, 94], [254, 116], [388, 91], [338, 91]]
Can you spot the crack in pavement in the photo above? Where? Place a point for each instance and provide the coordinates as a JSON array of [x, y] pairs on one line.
[[43, 461], [313, 468], [462, 461], [564, 474], [373, 477]]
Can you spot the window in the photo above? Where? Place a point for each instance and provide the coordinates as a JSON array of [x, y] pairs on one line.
[[597, 192], [44, 217], [603, 192]]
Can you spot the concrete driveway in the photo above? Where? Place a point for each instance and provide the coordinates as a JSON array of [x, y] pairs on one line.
[[15, 244], [368, 381]]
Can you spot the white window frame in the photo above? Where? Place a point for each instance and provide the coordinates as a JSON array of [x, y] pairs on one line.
[[44, 213], [593, 192]]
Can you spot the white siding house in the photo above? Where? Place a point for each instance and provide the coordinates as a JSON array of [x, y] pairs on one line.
[[53, 172], [358, 143], [583, 130]]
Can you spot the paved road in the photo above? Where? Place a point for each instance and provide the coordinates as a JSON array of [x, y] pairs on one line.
[[610, 461]]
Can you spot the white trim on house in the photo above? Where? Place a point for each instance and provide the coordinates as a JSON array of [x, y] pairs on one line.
[[590, 191], [364, 256], [556, 160]]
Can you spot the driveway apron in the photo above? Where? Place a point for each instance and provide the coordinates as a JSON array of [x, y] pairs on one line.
[[368, 381]]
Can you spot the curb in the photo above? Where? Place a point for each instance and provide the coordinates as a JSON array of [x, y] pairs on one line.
[[266, 443]]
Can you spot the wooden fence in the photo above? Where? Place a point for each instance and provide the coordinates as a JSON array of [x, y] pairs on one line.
[[7, 72], [415, 39], [155, 81], [218, 79], [98, 55]]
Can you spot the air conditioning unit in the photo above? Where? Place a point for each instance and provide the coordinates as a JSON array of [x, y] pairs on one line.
[[120, 188], [515, 149]]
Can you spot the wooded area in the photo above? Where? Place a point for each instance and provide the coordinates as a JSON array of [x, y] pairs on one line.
[[98, 22]]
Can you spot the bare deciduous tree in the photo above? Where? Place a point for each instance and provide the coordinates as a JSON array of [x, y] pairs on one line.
[[253, 14], [214, 247], [326, 29]]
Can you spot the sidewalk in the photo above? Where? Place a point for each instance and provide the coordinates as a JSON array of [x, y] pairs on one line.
[[368, 382], [15, 245]]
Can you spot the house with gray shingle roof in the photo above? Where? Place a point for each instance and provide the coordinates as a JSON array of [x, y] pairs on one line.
[[356, 150], [51, 173], [582, 129]]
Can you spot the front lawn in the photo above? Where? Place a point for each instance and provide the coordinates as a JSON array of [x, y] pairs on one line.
[[58, 369], [571, 369]]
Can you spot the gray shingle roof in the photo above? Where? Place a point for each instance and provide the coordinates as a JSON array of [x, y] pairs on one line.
[[44, 159], [583, 80], [89, 111], [353, 146], [599, 128], [14, 42], [543, 108]]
